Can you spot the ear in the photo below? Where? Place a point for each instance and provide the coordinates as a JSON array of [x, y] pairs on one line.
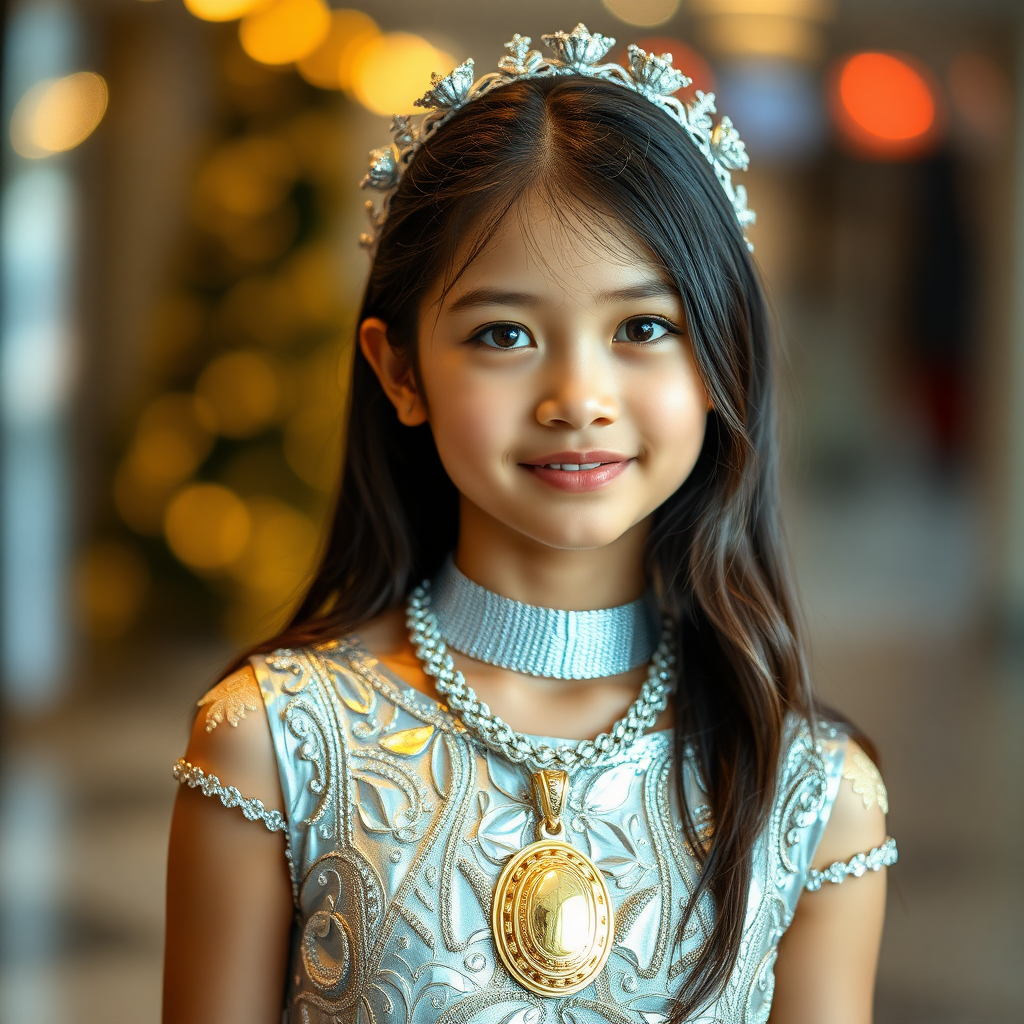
[[393, 371]]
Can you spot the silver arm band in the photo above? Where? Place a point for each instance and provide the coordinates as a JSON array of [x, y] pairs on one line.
[[880, 857], [195, 778]]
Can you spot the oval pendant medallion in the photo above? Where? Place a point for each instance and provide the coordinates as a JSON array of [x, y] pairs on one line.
[[552, 919]]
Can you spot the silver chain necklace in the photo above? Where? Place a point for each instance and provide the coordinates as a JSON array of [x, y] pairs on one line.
[[432, 651]]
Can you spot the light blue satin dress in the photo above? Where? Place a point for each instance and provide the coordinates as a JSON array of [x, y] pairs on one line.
[[399, 822]]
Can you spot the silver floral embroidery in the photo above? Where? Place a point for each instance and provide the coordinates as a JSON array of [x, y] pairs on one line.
[[229, 699], [426, 818], [867, 781]]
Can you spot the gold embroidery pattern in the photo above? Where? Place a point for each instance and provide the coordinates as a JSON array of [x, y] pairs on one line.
[[867, 782], [230, 699]]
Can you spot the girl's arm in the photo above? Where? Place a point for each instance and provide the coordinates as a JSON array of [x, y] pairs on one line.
[[829, 954], [229, 899]]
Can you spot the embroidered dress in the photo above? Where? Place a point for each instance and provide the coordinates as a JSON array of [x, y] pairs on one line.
[[399, 822]]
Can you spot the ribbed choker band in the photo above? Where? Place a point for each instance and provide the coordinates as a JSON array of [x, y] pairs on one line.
[[538, 641]]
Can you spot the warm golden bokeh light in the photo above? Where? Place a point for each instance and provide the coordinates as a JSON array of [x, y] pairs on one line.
[[643, 12], [207, 526], [111, 584], [244, 178], [244, 391], [392, 71], [139, 505], [884, 104], [58, 114], [313, 434], [324, 66], [279, 554], [284, 30], [759, 35], [811, 10], [222, 10], [263, 239], [173, 437], [312, 446]]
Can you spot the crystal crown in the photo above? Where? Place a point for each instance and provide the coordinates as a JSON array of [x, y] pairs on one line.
[[579, 52]]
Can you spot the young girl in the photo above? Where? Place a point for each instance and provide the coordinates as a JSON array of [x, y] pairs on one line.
[[539, 743]]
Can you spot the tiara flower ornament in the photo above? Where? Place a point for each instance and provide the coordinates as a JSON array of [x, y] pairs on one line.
[[579, 52]]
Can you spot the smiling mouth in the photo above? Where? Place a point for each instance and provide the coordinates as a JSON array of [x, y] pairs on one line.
[[578, 471]]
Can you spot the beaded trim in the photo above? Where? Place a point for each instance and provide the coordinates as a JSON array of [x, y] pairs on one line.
[[883, 856], [254, 810]]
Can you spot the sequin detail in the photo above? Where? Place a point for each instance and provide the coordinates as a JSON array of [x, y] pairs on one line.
[[209, 785], [883, 856], [230, 699], [867, 781]]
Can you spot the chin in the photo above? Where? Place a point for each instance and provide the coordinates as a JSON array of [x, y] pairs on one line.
[[574, 536]]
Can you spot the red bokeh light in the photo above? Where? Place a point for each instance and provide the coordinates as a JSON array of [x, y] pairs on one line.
[[885, 105]]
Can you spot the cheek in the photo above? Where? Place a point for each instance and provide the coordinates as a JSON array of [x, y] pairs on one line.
[[471, 420], [672, 417]]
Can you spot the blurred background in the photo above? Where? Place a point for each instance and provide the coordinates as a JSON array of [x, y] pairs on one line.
[[179, 283]]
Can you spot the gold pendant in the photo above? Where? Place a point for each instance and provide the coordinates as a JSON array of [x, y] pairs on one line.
[[552, 919]]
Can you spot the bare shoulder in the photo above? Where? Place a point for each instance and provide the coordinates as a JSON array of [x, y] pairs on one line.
[[857, 822], [229, 897], [828, 956], [231, 738]]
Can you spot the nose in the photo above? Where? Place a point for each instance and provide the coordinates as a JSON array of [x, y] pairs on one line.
[[580, 392]]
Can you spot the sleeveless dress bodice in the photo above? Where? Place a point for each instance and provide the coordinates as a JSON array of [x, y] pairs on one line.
[[399, 823]]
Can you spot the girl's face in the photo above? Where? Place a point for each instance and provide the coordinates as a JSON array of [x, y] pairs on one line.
[[559, 383]]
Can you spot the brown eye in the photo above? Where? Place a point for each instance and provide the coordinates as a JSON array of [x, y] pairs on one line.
[[504, 336], [642, 330]]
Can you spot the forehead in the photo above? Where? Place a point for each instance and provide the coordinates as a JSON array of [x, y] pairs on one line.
[[565, 253]]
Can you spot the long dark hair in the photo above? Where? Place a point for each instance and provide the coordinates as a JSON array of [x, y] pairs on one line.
[[715, 549]]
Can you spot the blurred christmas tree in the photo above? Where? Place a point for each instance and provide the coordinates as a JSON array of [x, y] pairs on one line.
[[223, 475]]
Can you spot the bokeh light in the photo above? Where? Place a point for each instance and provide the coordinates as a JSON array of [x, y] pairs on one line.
[[247, 177], [173, 437], [111, 583], [244, 391], [392, 71], [207, 526], [56, 115], [284, 30], [884, 104], [329, 66], [756, 36], [643, 12], [280, 549], [313, 433], [222, 10]]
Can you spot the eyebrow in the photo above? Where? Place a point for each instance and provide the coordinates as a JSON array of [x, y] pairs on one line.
[[498, 297]]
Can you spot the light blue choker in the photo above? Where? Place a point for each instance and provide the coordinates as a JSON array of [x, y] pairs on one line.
[[538, 641]]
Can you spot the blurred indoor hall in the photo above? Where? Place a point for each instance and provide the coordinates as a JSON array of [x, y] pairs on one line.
[[180, 283]]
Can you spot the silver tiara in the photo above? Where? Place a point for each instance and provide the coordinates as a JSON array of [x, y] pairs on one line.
[[574, 53]]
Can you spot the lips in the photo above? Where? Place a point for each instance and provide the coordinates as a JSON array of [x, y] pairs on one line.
[[578, 471], [577, 458]]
